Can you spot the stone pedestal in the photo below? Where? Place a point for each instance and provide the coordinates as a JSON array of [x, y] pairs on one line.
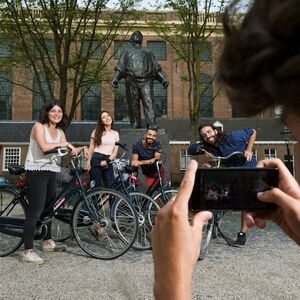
[[129, 136]]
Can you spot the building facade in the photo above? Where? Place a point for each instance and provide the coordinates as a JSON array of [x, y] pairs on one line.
[[19, 107]]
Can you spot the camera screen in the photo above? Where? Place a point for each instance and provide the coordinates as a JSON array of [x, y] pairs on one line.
[[232, 188]]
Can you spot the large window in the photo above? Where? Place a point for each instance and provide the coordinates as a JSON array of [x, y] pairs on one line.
[[119, 47], [11, 156], [5, 48], [38, 101], [206, 96], [160, 99], [158, 48], [185, 158], [270, 153], [93, 47], [121, 106], [5, 96], [90, 102], [205, 51]]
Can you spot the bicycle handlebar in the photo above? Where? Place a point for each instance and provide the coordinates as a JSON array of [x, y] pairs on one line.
[[123, 146]]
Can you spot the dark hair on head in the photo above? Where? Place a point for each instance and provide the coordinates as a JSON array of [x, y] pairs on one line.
[[221, 137], [152, 127], [100, 128], [260, 62], [43, 116]]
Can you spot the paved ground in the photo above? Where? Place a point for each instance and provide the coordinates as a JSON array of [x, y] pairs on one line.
[[268, 268]]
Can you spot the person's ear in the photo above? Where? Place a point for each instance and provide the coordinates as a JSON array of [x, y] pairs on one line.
[[216, 131]]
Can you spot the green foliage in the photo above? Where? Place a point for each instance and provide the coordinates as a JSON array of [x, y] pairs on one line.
[[66, 40]]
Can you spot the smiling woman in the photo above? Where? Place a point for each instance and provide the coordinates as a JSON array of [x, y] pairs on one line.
[[40, 175]]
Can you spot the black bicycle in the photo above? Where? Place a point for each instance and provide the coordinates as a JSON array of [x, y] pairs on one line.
[[146, 208], [94, 209], [212, 228]]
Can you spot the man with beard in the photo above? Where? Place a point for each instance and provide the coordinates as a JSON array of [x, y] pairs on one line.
[[145, 153], [218, 143]]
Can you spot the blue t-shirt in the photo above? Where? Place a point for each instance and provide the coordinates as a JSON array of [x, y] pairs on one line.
[[145, 153], [235, 140]]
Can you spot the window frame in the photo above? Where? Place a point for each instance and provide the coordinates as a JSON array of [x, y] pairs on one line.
[[270, 155], [184, 159], [5, 154], [164, 55]]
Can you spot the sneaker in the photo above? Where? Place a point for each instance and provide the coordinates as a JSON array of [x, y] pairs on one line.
[[241, 240], [30, 257], [52, 247]]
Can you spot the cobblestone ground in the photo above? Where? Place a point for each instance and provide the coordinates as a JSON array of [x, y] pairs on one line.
[[267, 268]]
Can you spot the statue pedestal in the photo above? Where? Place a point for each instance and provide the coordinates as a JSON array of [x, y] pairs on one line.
[[129, 136]]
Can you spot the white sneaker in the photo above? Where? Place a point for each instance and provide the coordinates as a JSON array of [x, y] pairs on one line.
[[30, 257], [52, 247]]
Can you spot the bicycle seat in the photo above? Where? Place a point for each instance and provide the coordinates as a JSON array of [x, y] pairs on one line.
[[16, 169]]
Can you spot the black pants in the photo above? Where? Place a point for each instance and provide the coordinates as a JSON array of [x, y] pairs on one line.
[[103, 177], [41, 188]]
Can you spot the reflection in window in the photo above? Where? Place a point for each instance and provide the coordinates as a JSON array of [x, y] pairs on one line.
[[5, 49], [121, 106], [38, 100], [5, 96], [205, 51], [185, 158], [160, 99], [119, 47], [90, 102], [158, 48], [206, 96], [95, 50]]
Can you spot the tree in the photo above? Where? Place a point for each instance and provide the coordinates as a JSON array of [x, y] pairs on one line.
[[189, 40], [66, 41]]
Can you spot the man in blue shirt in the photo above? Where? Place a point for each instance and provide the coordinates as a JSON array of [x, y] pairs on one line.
[[218, 143]]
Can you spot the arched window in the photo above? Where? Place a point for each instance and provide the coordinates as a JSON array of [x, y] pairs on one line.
[[5, 96], [38, 101], [206, 96]]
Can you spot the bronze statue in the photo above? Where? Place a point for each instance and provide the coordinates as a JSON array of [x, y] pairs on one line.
[[139, 67]]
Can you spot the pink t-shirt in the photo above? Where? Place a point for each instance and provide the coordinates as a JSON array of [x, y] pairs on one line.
[[109, 138]]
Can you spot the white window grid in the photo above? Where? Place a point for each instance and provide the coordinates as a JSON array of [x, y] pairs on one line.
[[270, 153], [11, 156], [185, 158]]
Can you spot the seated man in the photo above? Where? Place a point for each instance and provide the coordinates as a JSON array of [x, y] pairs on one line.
[[145, 153], [219, 143]]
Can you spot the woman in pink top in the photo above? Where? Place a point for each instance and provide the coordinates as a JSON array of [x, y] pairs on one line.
[[102, 150]]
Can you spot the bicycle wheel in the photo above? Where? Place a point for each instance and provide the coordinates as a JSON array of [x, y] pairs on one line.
[[10, 207], [162, 197], [60, 225], [206, 236], [105, 225], [146, 209], [217, 221]]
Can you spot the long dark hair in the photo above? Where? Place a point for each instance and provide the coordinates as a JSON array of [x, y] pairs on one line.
[[221, 136], [260, 61], [43, 116], [100, 128]]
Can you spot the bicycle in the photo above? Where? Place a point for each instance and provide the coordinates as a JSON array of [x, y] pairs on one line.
[[105, 209], [146, 208], [212, 227]]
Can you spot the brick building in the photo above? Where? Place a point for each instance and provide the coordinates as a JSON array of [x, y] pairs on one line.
[[19, 107]]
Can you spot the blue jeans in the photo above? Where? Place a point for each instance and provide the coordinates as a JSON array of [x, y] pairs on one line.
[[104, 177]]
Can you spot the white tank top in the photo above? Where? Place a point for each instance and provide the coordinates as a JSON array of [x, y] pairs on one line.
[[36, 161]]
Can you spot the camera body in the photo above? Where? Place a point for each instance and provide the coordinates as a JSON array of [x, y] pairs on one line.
[[232, 189]]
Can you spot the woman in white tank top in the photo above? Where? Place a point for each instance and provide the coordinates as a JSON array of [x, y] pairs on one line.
[[40, 175]]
